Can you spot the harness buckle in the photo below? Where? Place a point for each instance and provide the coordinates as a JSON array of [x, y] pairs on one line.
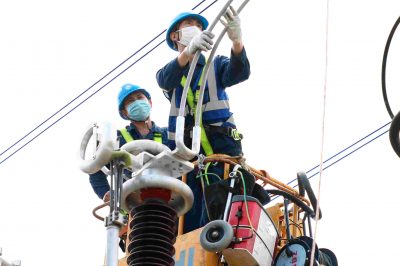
[[233, 133], [201, 158]]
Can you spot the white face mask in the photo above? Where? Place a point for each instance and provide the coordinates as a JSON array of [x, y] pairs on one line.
[[186, 34]]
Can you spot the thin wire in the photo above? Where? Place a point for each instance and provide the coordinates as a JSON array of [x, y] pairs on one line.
[[46, 120], [245, 201], [207, 7], [345, 149], [87, 98], [73, 100], [350, 153], [323, 132], [198, 4]]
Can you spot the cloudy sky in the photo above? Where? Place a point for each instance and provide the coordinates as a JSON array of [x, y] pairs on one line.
[[52, 52]]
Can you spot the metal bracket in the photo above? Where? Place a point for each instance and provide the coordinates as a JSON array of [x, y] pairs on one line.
[[116, 218]]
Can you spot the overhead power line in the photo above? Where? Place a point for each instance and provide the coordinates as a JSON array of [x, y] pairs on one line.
[[89, 88], [374, 133], [373, 136], [124, 70]]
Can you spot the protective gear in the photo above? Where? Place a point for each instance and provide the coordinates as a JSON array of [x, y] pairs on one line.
[[201, 42], [157, 136], [187, 34], [233, 24], [178, 19], [138, 110], [126, 90], [216, 111]]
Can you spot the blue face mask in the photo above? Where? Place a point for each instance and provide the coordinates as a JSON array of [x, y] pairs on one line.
[[138, 110]]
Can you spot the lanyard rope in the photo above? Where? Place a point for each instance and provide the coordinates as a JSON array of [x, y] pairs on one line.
[[323, 135]]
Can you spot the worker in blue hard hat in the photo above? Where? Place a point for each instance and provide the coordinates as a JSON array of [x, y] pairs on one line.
[[187, 34], [134, 104]]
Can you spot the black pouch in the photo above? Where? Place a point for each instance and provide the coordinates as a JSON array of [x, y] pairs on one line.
[[216, 194]]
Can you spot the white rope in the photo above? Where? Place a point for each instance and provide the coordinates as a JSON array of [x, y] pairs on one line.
[[323, 134]]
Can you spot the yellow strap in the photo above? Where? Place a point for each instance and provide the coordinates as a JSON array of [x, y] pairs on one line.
[[157, 136], [192, 101], [125, 134]]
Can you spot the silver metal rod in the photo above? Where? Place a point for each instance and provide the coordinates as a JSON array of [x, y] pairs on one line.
[[228, 200]]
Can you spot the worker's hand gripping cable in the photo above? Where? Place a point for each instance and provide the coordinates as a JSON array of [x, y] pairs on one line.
[[232, 24], [201, 42]]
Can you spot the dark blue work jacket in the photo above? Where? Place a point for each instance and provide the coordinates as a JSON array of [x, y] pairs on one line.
[[224, 72], [99, 181]]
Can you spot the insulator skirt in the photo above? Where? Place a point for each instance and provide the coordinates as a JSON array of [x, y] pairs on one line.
[[152, 234]]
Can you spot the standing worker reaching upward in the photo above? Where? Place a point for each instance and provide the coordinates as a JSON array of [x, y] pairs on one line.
[[187, 35]]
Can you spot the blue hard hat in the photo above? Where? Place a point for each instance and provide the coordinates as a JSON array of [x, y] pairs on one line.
[[178, 19], [126, 90]]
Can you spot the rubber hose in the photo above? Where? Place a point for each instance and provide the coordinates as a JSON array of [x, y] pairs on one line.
[[304, 185], [383, 74], [297, 201], [394, 134]]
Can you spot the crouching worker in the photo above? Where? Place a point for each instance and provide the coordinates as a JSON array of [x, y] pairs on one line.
[[134, 105], [187, 35]]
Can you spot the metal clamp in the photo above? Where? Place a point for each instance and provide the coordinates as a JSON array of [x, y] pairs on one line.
[[116, 218], [201, 160], [233, 174]]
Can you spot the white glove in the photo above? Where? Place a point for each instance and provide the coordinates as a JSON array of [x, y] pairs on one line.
[[201, 42], [233, 24]]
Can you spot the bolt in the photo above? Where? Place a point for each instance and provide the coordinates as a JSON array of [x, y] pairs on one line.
[[215, 234]]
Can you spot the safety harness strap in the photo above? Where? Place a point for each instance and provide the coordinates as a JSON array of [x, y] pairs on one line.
[[192, 101], [126, 135], [157, 136]]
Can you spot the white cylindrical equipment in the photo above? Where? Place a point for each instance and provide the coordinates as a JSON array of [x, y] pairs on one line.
[[112, 245]]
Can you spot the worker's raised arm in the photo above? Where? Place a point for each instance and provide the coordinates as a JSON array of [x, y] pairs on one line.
[[169, 77], [232, 70]]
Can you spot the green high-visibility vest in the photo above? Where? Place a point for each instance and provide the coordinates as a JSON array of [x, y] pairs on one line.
[[192, 100], [157, 136]]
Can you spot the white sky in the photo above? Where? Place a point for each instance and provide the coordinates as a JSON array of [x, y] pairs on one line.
[[51, 51]]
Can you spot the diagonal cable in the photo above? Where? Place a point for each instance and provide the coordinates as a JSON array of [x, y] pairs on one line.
[[345, 155], [94, 84], [345, 149]]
